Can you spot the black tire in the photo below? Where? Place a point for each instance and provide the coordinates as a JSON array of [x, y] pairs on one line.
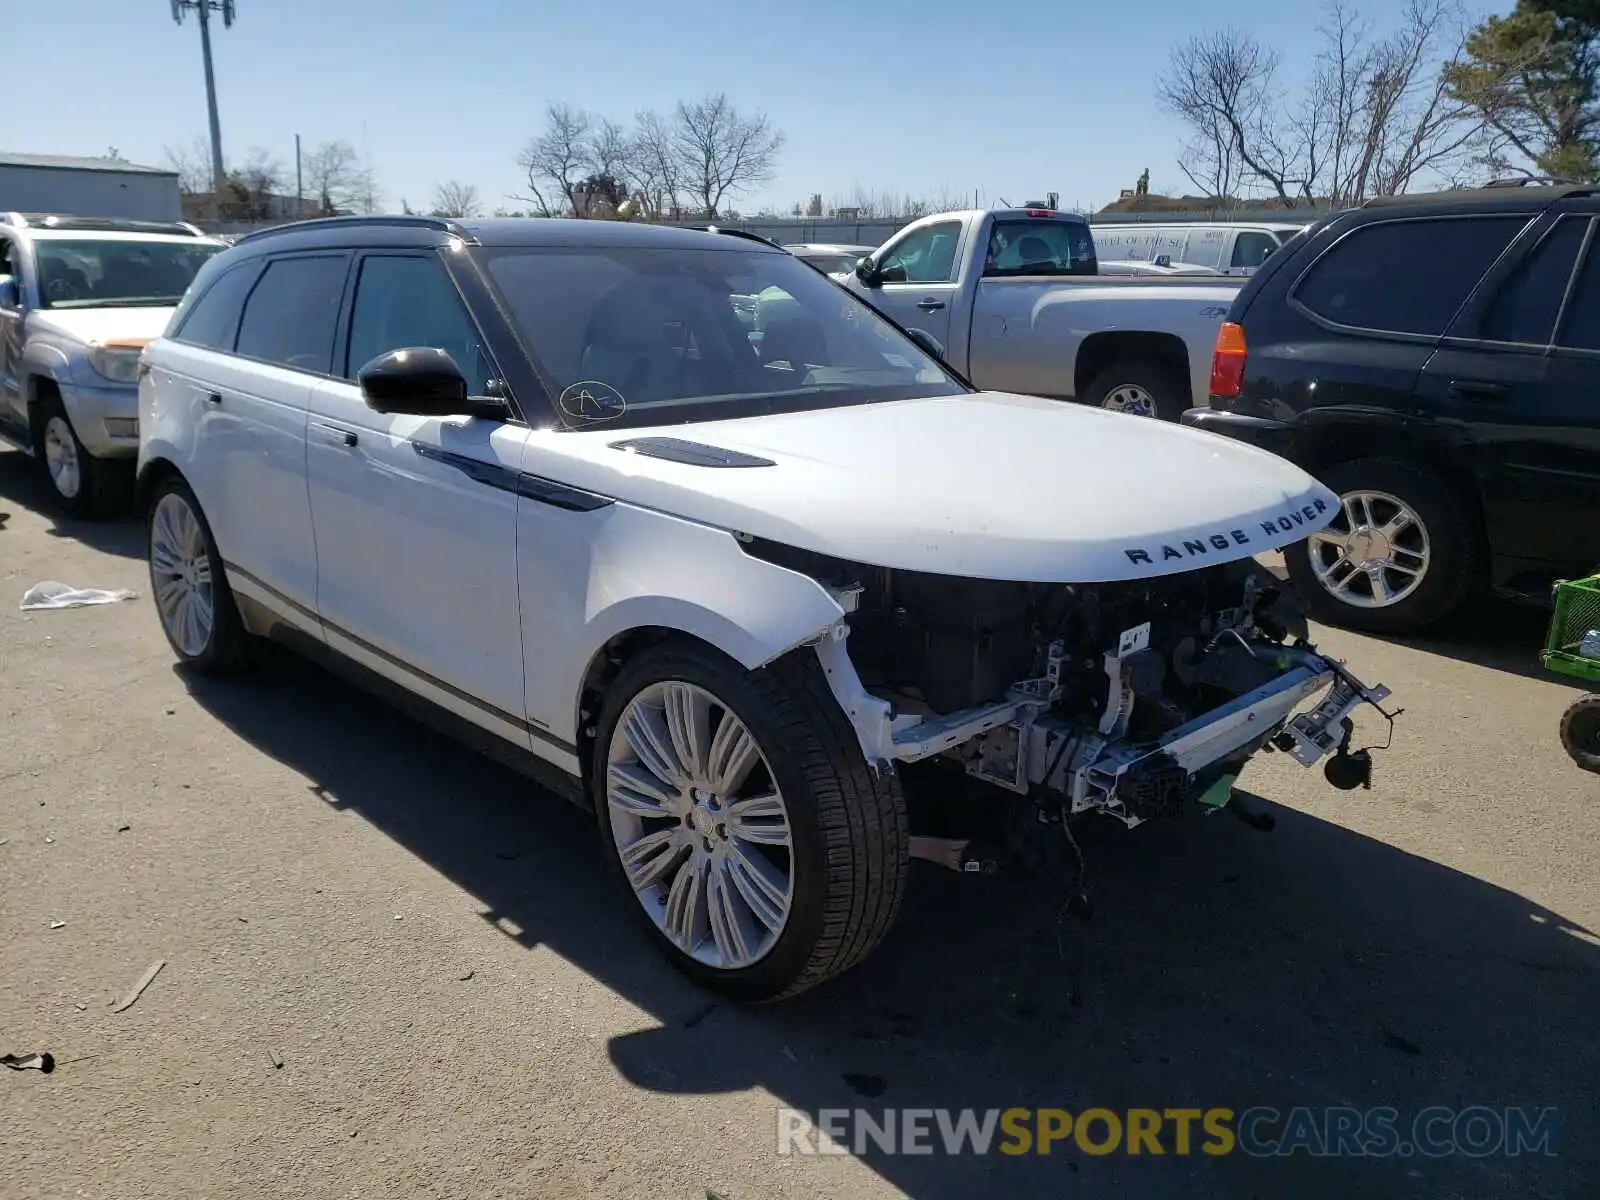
[[104, 485], [1166, 388], [1580, 732], [228, 648], [1455, 555], [851, 847]]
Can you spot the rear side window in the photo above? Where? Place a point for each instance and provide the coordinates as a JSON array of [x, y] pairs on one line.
[[1525, 307], [214, 319], [291, 316], [1405, 276], [1252, 248], [1580, 327], [1039, 248]]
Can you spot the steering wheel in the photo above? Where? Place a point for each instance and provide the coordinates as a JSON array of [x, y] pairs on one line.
[[60, 289]]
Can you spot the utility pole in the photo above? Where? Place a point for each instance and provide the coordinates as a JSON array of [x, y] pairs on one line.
[[204, 9]]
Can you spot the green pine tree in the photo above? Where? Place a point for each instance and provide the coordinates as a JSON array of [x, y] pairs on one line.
[[1534, 76]]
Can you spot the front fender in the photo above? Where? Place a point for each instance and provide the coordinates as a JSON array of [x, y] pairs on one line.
[[636, 569]]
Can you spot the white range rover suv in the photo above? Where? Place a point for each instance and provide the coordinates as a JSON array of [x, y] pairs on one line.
[[709, 546], [80, 297]]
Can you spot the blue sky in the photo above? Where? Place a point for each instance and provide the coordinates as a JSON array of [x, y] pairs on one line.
[[906, 95]]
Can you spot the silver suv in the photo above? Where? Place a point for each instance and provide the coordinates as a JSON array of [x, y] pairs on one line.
[[79, 299]]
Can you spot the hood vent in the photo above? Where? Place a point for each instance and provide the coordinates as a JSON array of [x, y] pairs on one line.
[[693, 454]]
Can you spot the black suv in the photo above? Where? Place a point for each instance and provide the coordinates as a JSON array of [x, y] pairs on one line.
[[1435, 360]]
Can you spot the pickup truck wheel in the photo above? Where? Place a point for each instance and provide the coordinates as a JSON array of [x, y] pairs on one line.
[[85, 486], [190, 586], [1140, 389], [737, 809], [1400, 555]]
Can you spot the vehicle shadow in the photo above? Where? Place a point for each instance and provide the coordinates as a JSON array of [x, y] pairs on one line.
[[23, 486], [1497, 634], [1309, 967]]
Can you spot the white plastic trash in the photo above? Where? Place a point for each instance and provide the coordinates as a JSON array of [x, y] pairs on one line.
[[51, 594]]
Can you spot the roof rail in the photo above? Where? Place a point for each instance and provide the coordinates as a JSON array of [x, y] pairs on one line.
[[19, 220], [408, 221], [1530, 180], [743, 233]]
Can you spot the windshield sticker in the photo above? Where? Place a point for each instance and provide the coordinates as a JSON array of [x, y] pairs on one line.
[[897, 360], [591, 400]]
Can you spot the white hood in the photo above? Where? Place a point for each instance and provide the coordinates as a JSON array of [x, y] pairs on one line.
[[102, 324], [991, 486]]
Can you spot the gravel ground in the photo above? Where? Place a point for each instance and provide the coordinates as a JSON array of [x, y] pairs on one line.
[[461, 1006]]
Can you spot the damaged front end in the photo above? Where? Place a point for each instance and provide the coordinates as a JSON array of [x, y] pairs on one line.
[[1139, 699]]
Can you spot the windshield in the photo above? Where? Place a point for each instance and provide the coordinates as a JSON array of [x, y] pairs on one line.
[[111, 273], [659, 336]]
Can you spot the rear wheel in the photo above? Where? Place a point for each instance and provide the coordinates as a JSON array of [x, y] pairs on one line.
[[738, 810], [1401, 554], [1140, 389], [190, 586]]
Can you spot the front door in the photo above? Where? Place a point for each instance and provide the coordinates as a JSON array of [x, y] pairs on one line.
[[13, 413], [416, 516], [919, 278], [1518, 381]]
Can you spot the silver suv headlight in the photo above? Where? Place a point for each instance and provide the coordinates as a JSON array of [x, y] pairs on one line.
[[116, 361]]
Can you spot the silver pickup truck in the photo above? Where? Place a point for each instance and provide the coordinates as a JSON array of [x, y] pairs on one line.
[[1015, 301]]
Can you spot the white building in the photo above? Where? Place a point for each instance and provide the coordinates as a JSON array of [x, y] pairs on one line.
[[87, 187]]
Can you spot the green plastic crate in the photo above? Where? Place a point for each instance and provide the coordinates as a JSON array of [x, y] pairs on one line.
[[1577, 610]]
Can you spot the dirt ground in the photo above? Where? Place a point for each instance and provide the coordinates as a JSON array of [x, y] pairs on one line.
[[461, 1005]]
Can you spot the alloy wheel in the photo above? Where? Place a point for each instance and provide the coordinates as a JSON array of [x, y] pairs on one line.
[[61, 457], [180, 575], [1375, 553], [699, 825]]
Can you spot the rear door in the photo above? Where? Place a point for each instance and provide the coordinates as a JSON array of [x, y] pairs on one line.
[[1517, 384]]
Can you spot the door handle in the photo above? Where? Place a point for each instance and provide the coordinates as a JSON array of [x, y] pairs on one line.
[[929, 304], [1473, 389], [339, 436], [214, 398]]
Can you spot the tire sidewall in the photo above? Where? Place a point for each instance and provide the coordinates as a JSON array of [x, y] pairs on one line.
[[1449, 554], [84, 504], [220, 595], [729, 683], [1164, 389], [1580, 719]]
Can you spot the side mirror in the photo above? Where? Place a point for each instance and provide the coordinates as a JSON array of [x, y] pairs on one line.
[[9, 295], [928, 342], [867, 271], [423, 382]]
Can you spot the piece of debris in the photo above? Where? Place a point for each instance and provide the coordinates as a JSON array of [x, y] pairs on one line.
[[43, 1061], [275, 1059], [49, 841], [399, 916], [144, 981], [467, 976], [80, 1007], [58, 924], [3, 841], [171, 711], [124, 828], [713, 1194], [51, 594]]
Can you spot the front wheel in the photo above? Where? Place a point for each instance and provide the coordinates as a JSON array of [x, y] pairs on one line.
[[85, 486], [737, 809]]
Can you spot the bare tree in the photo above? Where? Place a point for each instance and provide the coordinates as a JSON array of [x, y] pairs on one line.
[[557, 160], [193, 165], [455, 199], [653, 169], [722, 151], [337, 180]]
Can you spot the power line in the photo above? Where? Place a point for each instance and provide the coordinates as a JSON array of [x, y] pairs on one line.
[[204, 9]]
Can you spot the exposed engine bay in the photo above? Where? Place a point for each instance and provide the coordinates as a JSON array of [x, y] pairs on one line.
[[1135, 698]]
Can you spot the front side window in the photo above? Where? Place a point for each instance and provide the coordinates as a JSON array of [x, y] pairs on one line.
[[291, 315], [1525, 307], [926, 255], [1405, 276], [404, 301], [630, 336], [117, 272], [1040, 248]]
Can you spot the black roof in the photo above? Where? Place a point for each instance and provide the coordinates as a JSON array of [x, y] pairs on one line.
[[1514, 199], [495, 231]]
